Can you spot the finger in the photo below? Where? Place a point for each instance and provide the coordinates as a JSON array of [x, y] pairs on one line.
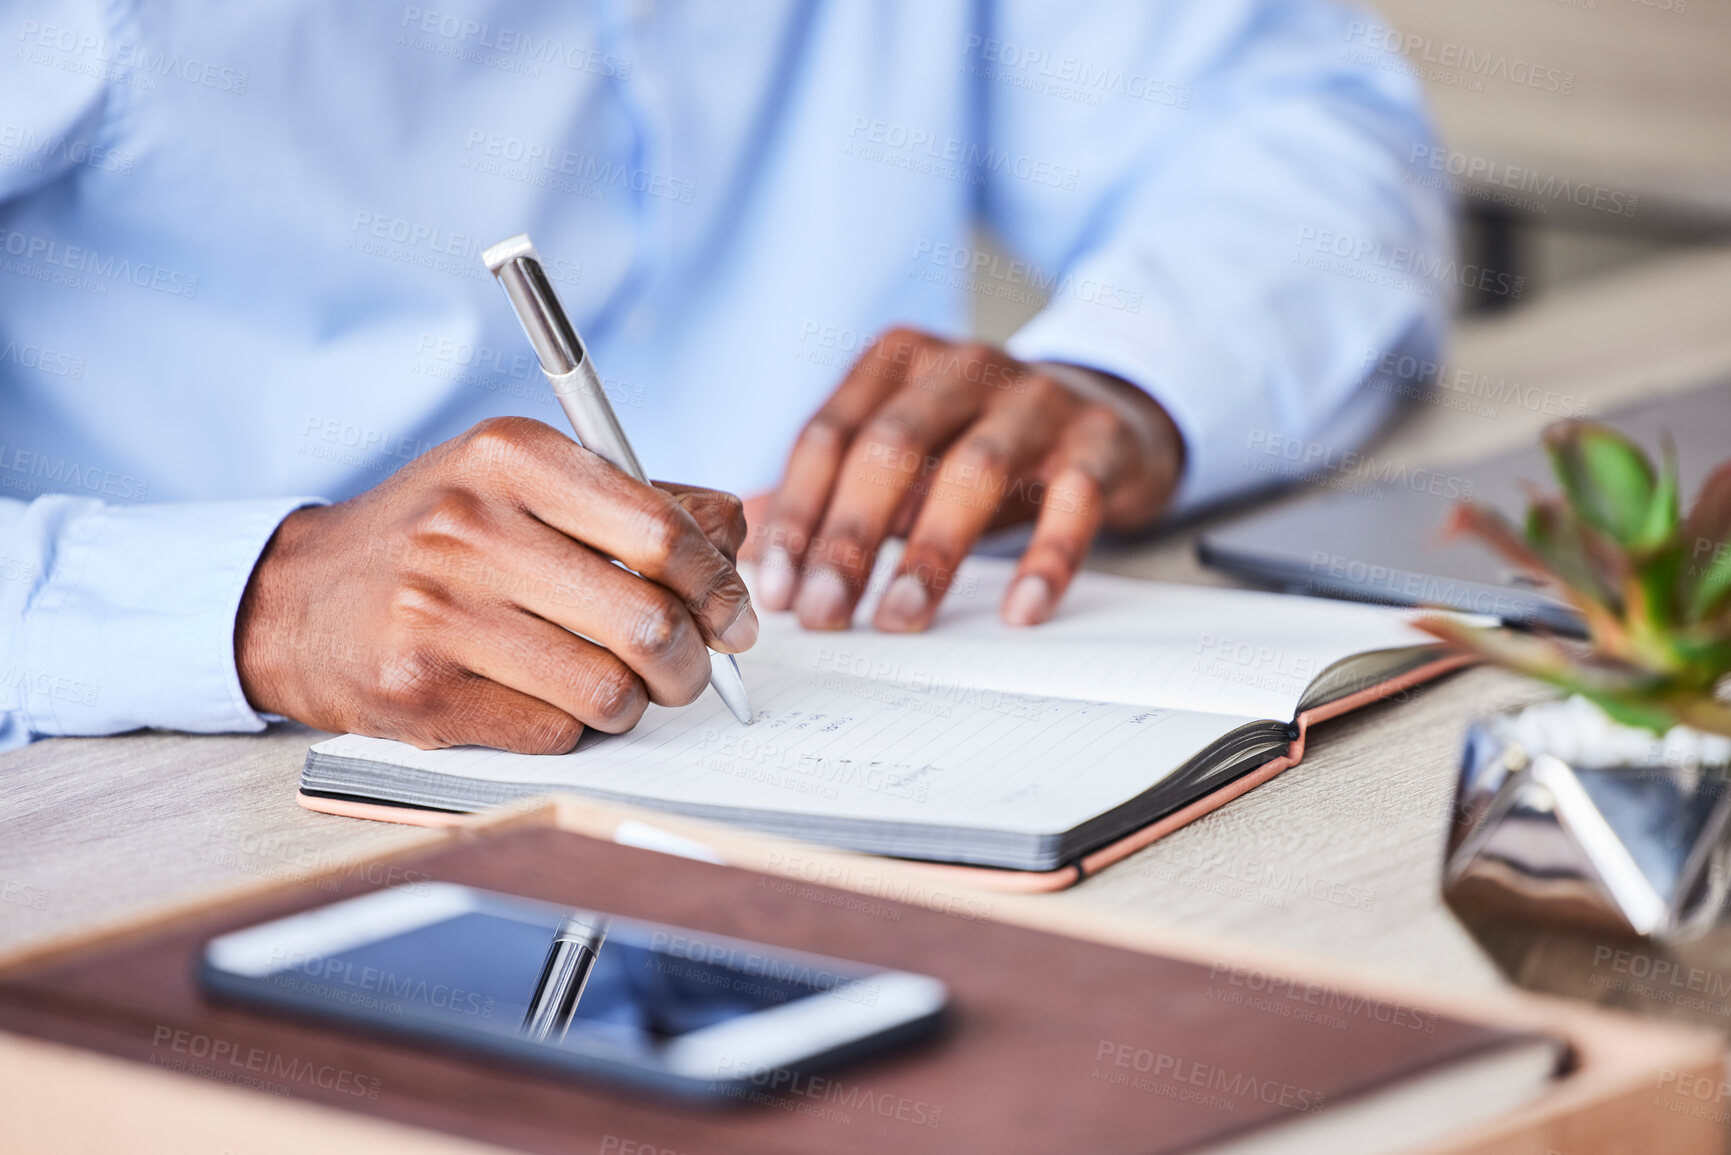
[[757, 508], [892, 455], [478, 712], [1088, 466], [1068, 522], [967, 494], [535, 657], [817, 457], [640, 622], [721, 516], [585, 498], [902, 523]]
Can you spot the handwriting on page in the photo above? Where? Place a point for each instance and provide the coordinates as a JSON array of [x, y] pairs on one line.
[[845, 749]]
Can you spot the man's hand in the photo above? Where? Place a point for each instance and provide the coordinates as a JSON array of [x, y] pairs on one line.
[[939, 442], [444, 606]]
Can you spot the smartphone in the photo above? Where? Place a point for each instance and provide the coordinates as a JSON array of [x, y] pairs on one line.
[[662, 1007]]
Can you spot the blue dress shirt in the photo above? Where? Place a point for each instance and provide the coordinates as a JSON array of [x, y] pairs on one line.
[[240, 256]]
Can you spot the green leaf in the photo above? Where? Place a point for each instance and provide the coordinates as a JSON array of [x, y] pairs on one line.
[[1712, 585], [1607, 478], [1554, 536], [1523, 653], [1494, 530], [1710, 517], [1641, 715], [1656, 578], [1654, 587], [1702, 713], [1660, 526], [1707, 544], [1703, 657], [1585, 560]]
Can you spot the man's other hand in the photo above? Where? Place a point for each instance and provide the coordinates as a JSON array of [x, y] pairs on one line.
[[939, 442], [444, 606]]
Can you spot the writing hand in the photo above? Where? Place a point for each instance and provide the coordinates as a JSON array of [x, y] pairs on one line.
[[443, 606]]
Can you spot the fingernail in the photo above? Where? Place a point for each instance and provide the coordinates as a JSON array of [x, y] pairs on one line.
[[904, 605], [824, 603], [775, 579], [742, 632], [1030, 601]]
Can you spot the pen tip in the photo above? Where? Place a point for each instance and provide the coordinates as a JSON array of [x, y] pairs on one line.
[[724, 676]]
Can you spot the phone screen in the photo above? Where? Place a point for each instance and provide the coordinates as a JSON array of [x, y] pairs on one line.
[[478, 971]]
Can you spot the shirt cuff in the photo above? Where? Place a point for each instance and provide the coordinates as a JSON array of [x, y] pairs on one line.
[[1223, 396], [1128, 349], [133, 625]]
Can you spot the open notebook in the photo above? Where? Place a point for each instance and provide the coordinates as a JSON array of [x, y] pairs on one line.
[[974, 743]]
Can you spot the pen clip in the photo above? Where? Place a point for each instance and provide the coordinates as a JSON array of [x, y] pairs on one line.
[[517, 266]]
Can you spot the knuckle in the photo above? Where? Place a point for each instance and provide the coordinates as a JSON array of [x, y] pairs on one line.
[[725, 526], [720, 596], [659, 629], [412, 608], [976, 354], [461, 717], [733, 517], [933, 563], [1126, 442], [661, 530], [550, 732], [1064, 553], [688, 692], [618, 698], [1040, 389], [405, 682], [824, 433], [504, 433], [900, 337], [451, 514], [893, 433], [986, 451], [842, 548], [497, 443]]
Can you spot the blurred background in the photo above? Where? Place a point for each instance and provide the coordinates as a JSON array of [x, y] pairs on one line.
[[1611, 149]]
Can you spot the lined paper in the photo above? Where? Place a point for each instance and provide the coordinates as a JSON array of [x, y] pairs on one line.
[[1114, 639], [859, 749], [973, 724]]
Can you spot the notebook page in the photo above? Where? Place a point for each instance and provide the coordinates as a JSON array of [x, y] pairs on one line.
[[859, 749], [1116, 639]]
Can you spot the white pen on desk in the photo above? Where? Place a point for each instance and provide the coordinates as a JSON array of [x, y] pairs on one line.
[[565, 361]]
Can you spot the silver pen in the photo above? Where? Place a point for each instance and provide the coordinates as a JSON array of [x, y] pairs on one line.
[[517, 266], [564, 972]]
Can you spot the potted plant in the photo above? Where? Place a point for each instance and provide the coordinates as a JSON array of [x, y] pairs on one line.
[[1607, 808]]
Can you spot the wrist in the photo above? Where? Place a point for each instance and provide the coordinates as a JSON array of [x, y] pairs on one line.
[[265, 619], [1161, 442]]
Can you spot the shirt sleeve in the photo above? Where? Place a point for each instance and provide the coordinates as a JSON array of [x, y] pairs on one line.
[[117, 617], [1221, 199], [111, 617]]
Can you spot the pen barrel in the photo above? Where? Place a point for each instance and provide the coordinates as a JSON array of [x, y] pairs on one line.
[[564, 360], [564, 973], [585, 403]]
